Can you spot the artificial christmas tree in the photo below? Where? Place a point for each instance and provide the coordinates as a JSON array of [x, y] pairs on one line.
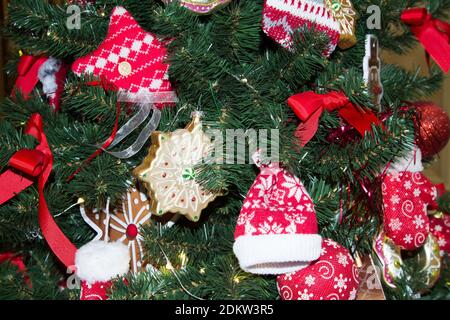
[[220, 59]]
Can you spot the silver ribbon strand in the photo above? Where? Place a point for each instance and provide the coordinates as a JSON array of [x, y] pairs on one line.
[[146, 103]]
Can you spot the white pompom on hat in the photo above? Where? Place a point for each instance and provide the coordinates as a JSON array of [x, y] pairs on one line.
[[100, 261]]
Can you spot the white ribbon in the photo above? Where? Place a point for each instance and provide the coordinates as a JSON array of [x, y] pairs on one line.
[[146, 103]]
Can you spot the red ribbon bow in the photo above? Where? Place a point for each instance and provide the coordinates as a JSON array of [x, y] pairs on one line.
[[433, 34], [26, 165], [308, 106]]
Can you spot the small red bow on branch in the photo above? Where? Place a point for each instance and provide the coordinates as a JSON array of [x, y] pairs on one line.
[[309, 106], [433, 34], [26, 165]]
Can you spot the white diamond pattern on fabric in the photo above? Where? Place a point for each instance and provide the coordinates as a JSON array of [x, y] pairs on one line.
[[127, 44]]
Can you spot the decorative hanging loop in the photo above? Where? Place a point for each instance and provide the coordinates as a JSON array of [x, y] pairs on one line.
[[146, 104]]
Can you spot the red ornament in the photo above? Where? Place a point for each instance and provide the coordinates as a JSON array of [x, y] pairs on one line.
[[432, 128], [282, 17], [49, 71], [333, 277], [132, 59], [97, 264], [276, 231], [406, 197]]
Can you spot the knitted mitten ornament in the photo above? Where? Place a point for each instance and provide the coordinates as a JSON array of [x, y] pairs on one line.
[[406, 195], [281, 18], [130, 58], [97, 264], [333, 277], [276, 231]]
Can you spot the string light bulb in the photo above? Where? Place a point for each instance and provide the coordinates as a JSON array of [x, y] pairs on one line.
[[183, 259], [169, 266], [80, 201]]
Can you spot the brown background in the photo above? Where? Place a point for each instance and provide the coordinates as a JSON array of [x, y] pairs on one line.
[[439, 171]]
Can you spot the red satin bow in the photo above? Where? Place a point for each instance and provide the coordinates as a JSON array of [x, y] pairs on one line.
[[308, 106], [434, 34], [26, 165]]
